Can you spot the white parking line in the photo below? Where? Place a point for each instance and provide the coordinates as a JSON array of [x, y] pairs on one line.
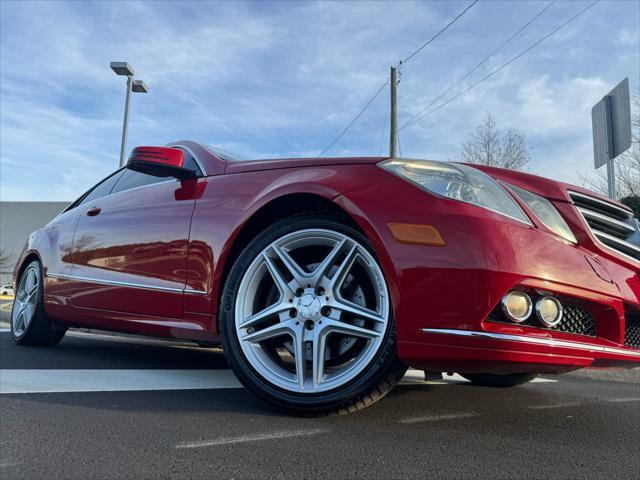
[[555, 405], [122, 380], [437, 418], [624, 400], [251, 438], [58, 381], [5, 330]]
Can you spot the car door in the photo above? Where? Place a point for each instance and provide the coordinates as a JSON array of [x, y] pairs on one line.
[[60, 232], [130, 248]]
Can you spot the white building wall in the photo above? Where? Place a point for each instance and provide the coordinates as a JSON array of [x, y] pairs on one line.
[[17, 221]]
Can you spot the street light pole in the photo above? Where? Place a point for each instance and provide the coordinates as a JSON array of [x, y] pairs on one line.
[[125, 124], [137, 86]]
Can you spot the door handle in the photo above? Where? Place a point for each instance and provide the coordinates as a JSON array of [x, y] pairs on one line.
[[92, 212]]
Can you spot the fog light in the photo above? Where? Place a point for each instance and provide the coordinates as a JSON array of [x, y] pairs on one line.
[[549, 311], [517, 306]]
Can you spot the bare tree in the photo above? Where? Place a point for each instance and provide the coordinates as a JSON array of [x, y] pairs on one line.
[[627, 165], [6, 260], [486, 146]]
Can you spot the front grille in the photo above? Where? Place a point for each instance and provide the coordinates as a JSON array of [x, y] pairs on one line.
[[575, 320], [632, 329], [612, 225]]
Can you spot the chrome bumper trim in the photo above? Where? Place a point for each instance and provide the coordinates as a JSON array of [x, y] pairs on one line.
[[116, 283], [549, 342]]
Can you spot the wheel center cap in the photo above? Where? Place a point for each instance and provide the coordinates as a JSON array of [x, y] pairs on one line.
[[309, 307]]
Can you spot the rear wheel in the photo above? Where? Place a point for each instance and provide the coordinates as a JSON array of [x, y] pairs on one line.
[[306, 318], [499, 380], [29, 322]]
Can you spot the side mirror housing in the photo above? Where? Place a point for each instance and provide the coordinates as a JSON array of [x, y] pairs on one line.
[[159, 162]]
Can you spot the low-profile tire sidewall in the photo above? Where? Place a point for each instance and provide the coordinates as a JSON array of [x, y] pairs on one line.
[[373, 374]]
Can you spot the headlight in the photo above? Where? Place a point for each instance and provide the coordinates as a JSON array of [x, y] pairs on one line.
[[546, 212], [458, 182]]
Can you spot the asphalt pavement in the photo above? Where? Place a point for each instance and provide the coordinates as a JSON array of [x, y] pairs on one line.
[[102, 406]]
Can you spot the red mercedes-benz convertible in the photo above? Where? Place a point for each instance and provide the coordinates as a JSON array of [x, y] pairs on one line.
[[323, 279]]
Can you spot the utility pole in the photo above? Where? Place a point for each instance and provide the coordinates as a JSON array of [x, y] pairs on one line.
[[393, 141]]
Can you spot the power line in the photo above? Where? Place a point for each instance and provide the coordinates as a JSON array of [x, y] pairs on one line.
[[503, 66], [405, 60], [438, 34], [355, 119], [482, 62], [384, 128]]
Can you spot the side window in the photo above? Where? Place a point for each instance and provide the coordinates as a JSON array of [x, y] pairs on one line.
[[101, 190], [132, 179]]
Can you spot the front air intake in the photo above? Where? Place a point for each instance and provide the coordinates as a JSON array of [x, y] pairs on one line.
[[613, 226]]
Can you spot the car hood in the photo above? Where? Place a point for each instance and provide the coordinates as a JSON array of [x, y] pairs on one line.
[[278, 163]]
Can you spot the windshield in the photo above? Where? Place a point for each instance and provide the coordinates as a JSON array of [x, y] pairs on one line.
[[226, 154]]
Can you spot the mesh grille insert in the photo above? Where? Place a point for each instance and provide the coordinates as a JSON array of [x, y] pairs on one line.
[[575, 320], [632, 329]]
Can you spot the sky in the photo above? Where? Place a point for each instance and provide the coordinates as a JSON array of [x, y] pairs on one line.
[[282, 79]]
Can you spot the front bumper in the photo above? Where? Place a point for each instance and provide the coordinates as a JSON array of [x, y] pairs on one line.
[[443, 297]]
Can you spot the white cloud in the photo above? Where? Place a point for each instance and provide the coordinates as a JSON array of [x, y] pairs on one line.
[[628, 36]]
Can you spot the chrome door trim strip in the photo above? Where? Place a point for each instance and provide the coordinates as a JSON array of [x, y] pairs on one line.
[[117, 283], [549, 342]]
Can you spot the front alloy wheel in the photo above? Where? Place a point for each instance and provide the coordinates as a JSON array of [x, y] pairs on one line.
[[311, 314]]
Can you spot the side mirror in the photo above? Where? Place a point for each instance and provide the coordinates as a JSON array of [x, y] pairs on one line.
[[159, 162]]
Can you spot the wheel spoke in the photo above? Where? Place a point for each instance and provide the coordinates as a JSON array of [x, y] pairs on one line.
[[30, 280], [256, 318], [300, 355], [27, 315], [273, 331], [344, 306], [329, 260], [21, 323], [343, 269], [333, 326], [290, 264], [32, 291], [317, 359], [280, 281]]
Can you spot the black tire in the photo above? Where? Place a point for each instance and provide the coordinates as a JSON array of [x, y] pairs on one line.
[[379, 377], [41, 332], [499, 380]]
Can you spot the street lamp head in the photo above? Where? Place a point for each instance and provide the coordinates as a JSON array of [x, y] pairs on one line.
[[139, 86], [122, 68]]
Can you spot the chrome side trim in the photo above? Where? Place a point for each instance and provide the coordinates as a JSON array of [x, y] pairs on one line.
[[194, 292], [116, 283], [549, 342]]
